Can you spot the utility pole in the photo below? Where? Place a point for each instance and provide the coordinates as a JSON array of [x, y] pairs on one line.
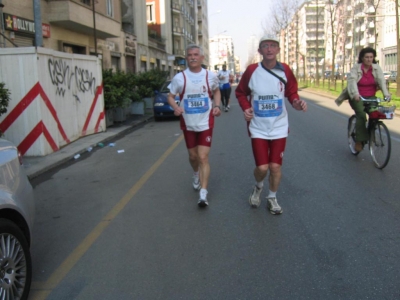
[[94, 28], [38, 23]]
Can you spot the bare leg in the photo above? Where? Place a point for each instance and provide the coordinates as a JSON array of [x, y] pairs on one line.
[[275, 176], [203, 164], [260, 172], [194, 159]]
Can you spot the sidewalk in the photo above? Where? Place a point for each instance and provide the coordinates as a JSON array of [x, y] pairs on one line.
[[36, 165]]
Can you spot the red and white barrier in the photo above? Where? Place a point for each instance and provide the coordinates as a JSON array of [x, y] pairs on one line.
[[56, 98]]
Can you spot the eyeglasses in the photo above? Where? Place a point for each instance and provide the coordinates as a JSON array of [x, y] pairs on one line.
[[267, 46]]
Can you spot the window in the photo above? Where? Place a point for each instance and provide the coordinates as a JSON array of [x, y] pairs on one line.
[[110, 8], [150, 13], [87, 2]]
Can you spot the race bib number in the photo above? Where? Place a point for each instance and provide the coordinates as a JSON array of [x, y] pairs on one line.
[[267, 108], [196, 105]]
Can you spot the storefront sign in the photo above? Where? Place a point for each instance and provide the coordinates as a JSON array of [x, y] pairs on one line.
[[15, 23]]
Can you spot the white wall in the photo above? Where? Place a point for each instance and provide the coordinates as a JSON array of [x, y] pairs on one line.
[[56, 98]]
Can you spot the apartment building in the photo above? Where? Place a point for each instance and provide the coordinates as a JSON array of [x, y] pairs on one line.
[[348, 25], [202, 32], [222, 52], [128, 35]]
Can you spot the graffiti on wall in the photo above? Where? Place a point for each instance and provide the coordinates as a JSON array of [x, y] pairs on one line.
[[73, 78]]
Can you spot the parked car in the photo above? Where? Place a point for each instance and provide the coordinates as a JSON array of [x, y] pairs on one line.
[[17, 209], [161, 107], [393, 76], [386, 75]]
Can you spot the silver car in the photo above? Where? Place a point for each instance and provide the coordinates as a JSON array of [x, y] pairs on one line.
[[17, 209]]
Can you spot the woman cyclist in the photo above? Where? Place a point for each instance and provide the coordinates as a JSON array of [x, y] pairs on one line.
[[365, 78]]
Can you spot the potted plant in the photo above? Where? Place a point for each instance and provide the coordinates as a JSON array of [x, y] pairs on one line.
[[148, 82], [5, 98], [116, 95]]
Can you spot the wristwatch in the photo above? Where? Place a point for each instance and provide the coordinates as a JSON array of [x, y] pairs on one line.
[[219, 106]]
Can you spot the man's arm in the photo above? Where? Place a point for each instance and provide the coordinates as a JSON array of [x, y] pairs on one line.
[[242, 90], [217, 102], [291, 91], [177, 109]]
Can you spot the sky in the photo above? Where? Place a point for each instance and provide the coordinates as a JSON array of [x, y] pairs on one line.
[[240, 19]]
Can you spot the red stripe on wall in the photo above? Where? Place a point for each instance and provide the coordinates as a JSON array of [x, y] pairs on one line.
[[20, 107], [99, 90], [53, 113], [101, 117], [35, 133]]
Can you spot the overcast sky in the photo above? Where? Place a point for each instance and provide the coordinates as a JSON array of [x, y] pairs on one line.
[[240, 18]]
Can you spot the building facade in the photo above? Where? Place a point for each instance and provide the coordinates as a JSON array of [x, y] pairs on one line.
[[222, 52], [328, 35], [127, 35]]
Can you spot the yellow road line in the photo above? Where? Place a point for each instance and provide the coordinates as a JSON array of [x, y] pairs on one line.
[[44, 289]]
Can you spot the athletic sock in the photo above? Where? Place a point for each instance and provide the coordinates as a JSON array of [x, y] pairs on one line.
[[271, 194], [203, 194], [260, 185]]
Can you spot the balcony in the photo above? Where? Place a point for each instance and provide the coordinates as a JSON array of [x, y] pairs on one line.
[[63, 13], [179, 52], [177, 30], [176, 7]]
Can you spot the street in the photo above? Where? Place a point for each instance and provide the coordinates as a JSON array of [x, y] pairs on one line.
[[127, 226]]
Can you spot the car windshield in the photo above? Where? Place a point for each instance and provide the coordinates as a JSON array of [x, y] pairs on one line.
[[164, 88]]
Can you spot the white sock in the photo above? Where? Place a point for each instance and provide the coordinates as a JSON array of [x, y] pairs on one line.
[[260, 184], [203, 194], [271, 194]]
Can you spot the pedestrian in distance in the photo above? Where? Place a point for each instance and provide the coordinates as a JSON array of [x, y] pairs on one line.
[[261, 94], [225, 87], [200, 97], [365, 78]]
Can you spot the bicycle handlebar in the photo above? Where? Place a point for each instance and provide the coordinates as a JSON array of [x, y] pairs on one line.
[[375, 99]]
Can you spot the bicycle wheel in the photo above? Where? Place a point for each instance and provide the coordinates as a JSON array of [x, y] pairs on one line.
[[379, 145], [351, 134]]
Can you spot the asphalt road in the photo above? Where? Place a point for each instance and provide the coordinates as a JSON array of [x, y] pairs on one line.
[[127, 226]]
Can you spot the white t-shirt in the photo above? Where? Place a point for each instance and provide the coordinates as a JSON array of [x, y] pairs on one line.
[[195, 100], [176, 85], [225, 74]]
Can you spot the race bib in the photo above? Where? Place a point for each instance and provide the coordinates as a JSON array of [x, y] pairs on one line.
[[195, 104], [266, 106]]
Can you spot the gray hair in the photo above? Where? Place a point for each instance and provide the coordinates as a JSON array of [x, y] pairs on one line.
[[194, 46]]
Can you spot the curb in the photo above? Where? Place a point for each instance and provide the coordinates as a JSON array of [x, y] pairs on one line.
[[46, 163]]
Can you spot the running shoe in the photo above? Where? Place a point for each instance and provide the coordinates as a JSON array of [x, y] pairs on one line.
[[196, 183], [228, 107], [273, 206], [254, 198], [202, 202]]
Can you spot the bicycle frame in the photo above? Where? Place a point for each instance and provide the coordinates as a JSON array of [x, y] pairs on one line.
[[379, 135]]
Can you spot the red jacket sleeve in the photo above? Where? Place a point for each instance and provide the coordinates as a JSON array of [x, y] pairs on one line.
[[291, 89], [243, 91]]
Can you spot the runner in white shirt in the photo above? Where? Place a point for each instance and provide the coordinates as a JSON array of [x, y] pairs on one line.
[[225, 87], [195, 87], [261, 94]]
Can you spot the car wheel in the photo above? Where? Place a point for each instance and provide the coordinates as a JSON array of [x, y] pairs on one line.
[[15, 262]]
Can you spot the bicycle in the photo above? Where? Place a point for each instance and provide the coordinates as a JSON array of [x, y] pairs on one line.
[[379, 135]]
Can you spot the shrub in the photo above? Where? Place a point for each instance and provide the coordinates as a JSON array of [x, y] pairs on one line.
[[5, 98]]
